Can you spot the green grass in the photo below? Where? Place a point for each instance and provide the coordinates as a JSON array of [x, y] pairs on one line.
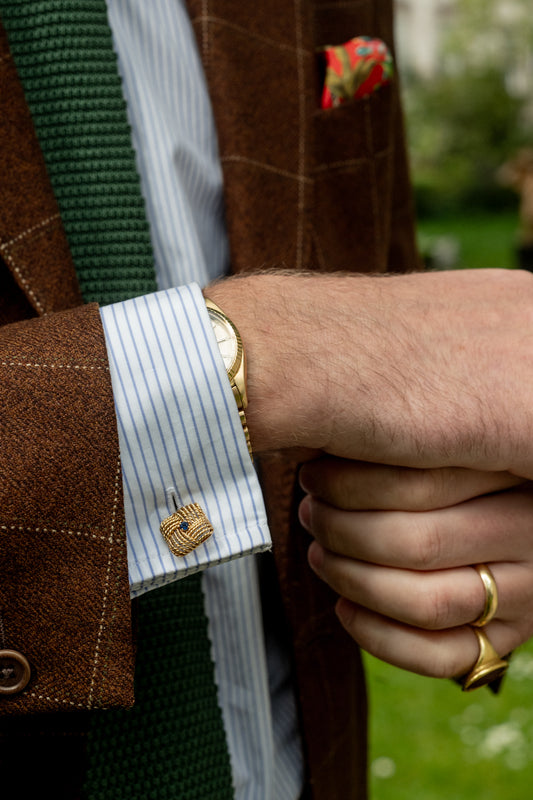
[[485, 240], [431, 741]]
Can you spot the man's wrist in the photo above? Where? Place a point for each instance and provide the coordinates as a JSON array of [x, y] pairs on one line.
[[275, 315]]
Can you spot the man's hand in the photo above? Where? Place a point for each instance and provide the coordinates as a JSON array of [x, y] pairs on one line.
[[398, 546], [422, 370]]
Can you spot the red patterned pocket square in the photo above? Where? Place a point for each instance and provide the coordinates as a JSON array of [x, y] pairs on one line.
[[354, 70]]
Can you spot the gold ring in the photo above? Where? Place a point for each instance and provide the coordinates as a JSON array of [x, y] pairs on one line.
[[489, 666], [491, 595]]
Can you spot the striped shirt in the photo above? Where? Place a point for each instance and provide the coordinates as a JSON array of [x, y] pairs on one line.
[[180, 435]]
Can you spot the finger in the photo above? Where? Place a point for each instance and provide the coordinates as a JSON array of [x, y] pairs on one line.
[[493, 528], [438, 654], [429, 600], [354, 485]]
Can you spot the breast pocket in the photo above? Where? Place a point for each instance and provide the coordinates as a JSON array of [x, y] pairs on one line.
[[353, 171]]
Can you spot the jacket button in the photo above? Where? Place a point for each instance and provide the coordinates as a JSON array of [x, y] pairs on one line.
[[14, 672]]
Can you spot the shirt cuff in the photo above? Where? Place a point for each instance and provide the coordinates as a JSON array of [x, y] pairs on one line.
[[180, 436]]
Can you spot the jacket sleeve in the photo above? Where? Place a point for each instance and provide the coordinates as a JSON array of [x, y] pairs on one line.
[[64, 598], [64, 594]]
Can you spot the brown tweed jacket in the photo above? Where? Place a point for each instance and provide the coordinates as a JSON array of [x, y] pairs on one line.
[[304, 188]]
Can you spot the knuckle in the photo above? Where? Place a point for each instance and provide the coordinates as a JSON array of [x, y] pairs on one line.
[[425, 489], [444, 665], [442, 659], [342, 489], [432, 609], [425, 547]]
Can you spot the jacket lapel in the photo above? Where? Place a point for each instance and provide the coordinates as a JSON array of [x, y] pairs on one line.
[[33, 246]]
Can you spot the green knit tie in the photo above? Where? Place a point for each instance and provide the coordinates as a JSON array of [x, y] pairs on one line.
[[64, 55], [172, 745]]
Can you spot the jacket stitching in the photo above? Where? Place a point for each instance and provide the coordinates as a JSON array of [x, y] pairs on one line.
[[204, 19], [29, 529], [29, 231], [91, 367], [5, 246], [110, 561], [268, 167], [56, 700], [352, 162]]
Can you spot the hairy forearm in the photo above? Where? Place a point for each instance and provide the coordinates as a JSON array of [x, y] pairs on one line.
[[418, 370], [278, 319], [313, 352]]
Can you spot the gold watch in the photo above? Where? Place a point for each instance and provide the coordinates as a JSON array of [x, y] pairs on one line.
[[232, 352]]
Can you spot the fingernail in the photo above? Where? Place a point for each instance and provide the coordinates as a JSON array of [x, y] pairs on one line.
[[304, 513], [315, 556], [344, 611]]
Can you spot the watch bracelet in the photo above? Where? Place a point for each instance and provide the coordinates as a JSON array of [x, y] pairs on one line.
[[240, 401]]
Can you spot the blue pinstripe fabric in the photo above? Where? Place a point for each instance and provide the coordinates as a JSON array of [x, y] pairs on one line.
[[180, 434]]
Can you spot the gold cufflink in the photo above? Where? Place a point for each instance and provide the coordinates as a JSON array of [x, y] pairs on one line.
[[185, 529]]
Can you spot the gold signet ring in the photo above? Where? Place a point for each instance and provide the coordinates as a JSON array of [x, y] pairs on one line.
[[185, 529], [488, 667], [491, 595]]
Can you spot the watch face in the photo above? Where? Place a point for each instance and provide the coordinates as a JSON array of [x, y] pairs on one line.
[[226, 340]]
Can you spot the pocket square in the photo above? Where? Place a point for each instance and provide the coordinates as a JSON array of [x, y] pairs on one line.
[[354, 70]]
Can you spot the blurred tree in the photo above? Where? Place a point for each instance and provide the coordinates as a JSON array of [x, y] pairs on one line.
[[464, 123], [492, 33]]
